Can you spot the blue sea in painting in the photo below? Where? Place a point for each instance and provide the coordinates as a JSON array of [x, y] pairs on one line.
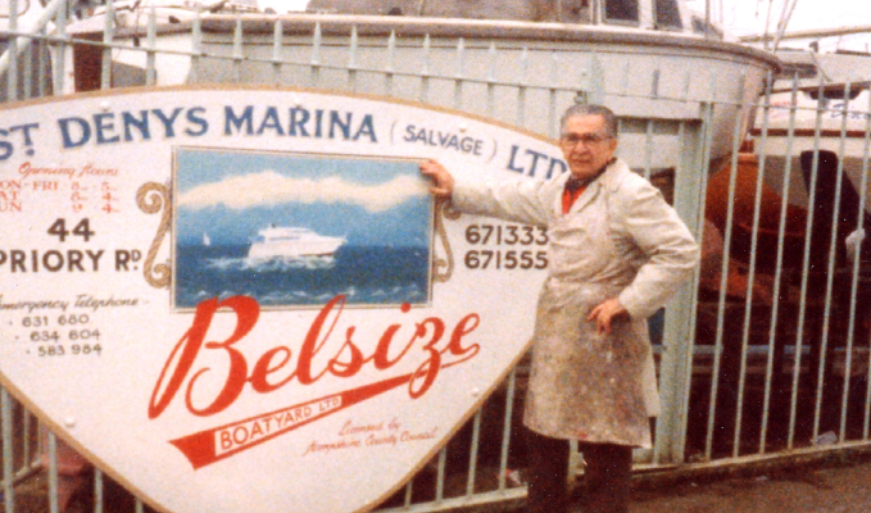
[[366, 275]]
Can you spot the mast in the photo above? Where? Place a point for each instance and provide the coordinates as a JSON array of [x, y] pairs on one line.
[[785, 16]]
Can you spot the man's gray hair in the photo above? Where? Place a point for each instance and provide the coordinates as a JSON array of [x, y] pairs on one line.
[[583, 109]]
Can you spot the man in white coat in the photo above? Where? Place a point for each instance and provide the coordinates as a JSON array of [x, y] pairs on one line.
[[618, 251]]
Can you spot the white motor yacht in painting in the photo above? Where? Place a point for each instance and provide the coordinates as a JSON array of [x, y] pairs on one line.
[[292, 241]]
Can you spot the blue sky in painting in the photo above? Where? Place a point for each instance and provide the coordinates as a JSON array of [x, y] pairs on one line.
[[231, 195]]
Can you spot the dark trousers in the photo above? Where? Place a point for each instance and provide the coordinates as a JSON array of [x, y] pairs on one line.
[[607, 476]]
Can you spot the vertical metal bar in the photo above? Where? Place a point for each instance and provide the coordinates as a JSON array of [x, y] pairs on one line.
[[491, 78], [98, 491], [41, 441], [408, 493], [595, 81], [43, 66], [654, 82], [848, 358], [583, 93], [440, 475], [552, 95], [28, 79], [648, 147], [8, 453], [106, 64], [238, 53], [687, 84], [748, 310], [389, 71], [864, 169], [425, 71], [12, 71], [707, 116], [770, 371], [575, 457], [473, 456], [151, 45], [769, 365], [139, 508], [460, 74], [506, 427], [52, 473], [59, 74], [25, 429], [277, 38], [521, 87], [315, 60], [724, 282], [830, 279], [664, 439], [708, 19], [804, 271], [624, 84], [352, 59], [854, 275], [196, 44], [679, 330]]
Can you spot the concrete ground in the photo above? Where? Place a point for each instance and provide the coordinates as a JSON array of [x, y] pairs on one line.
[[808, 489], [837, 483]]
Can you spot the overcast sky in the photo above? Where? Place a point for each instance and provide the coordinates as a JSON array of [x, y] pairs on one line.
[[749, 16], [282, 6]]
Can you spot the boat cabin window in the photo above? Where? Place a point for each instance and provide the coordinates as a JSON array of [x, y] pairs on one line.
[[800, 70], [667, 14], [700, 26], [576, 11], [621, 11]]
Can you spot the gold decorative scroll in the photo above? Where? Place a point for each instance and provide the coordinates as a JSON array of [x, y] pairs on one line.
[[444, 210], [151, 198]]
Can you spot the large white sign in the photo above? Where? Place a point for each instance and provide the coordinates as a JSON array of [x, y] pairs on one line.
[[244, 299]]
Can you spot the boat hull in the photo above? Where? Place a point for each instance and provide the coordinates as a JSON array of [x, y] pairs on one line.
[[818, 106], [520, 73], [268, 250]]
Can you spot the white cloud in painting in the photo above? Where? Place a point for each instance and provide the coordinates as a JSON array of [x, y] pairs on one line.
[[269, 188]]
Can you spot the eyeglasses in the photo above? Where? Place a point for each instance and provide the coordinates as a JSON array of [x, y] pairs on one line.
[[571, 140]]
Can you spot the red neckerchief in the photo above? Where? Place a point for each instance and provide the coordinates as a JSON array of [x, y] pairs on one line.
[[575, 187], [570, 195]]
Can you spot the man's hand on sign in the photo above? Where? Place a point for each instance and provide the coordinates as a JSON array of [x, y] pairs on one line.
[[442, 181]]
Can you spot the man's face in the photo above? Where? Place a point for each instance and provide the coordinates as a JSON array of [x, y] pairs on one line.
[[586, 145]]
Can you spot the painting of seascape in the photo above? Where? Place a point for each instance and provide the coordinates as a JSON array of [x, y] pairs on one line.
[[295, 230]]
